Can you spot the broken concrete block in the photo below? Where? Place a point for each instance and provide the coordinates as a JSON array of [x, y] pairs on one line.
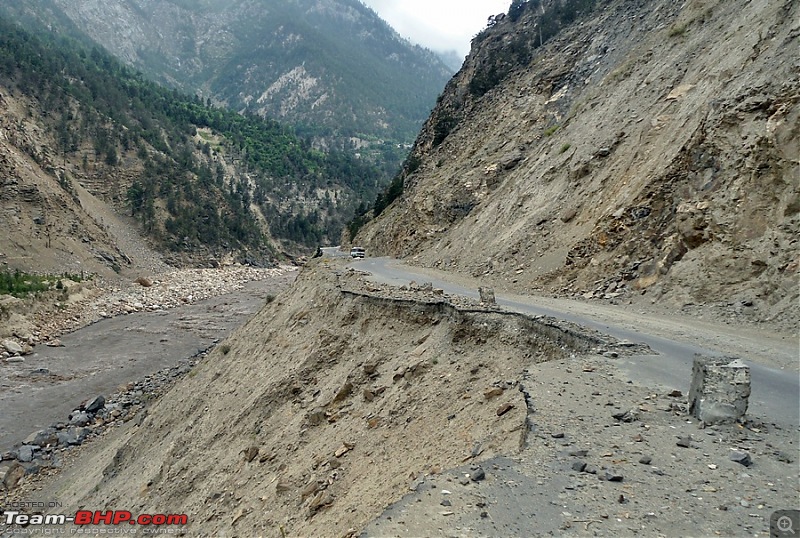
[[720, 389], [487, 295]]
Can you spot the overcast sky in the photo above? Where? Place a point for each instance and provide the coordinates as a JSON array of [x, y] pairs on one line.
[[440, 25]]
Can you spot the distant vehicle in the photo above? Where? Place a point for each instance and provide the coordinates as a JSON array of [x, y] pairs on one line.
[[357, 252]]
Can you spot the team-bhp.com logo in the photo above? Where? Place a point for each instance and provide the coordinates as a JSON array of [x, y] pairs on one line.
[[86, 517]]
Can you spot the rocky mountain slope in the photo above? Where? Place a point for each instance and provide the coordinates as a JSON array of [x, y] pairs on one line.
[[645, 149], [50, 229], [80, 134], [330, 64], [344, 399]]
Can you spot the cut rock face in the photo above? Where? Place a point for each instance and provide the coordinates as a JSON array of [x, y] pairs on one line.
[[720, 389]]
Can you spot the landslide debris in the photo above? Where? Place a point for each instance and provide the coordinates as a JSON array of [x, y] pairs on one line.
[[647, 152], [324, 409], [348, 407]]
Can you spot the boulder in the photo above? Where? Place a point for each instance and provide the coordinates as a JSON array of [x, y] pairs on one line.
[[10, 476], [42, 438], [12, 347], [79, 419], [72, 436], [741, 457], [510, 160], [25, 453], [95, 404]]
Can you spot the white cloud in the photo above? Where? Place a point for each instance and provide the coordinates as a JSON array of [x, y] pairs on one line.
[[440, 25]]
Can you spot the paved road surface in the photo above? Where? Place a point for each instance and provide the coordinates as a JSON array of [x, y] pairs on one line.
[[775, 393]]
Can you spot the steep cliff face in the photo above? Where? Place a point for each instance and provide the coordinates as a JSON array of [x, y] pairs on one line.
[[647, 148]]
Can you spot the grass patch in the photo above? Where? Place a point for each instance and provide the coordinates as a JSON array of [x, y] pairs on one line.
[[678, 30], [550, 131], [564, 148], [225, 349], [21, 284]]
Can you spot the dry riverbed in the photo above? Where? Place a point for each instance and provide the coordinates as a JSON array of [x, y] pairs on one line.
[[133, 338]]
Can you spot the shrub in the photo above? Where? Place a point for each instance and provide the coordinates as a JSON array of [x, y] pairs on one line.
[[550, 131], [677, 31]]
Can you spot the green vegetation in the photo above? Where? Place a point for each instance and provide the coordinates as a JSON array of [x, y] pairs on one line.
[[367, 73], [359, 220], [550, 19], [550, 131], [678, 30], [442, 128], [564, 148], [372, 82], [183, 199], [392, 192], [20, 284]]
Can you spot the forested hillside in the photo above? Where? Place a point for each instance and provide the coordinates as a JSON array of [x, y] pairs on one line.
[[332, 66], [192, 174]]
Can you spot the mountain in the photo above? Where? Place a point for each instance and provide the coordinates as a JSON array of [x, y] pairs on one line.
[[580, 153], [622, 150], [452, 59], [85, 140], [332, 65]]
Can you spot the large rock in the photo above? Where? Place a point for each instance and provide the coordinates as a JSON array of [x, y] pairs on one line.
[[42, 438], [510, 160], [11, 475], [95, 404], [72, 436], [12, 347], [25, 453], [720, 389], [79, 419]]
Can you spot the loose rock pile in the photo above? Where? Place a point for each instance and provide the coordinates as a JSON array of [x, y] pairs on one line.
[[45, 449], [165, 291]]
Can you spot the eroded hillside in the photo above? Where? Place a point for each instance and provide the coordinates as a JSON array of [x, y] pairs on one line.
[[294, 423], [50, 222], [646, 148], [351, 408]]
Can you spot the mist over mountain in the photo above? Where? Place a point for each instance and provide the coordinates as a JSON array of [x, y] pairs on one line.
[[452, 59]]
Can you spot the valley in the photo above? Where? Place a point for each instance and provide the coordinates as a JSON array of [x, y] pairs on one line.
[[418, 384], [99, 345], [577, 314]]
